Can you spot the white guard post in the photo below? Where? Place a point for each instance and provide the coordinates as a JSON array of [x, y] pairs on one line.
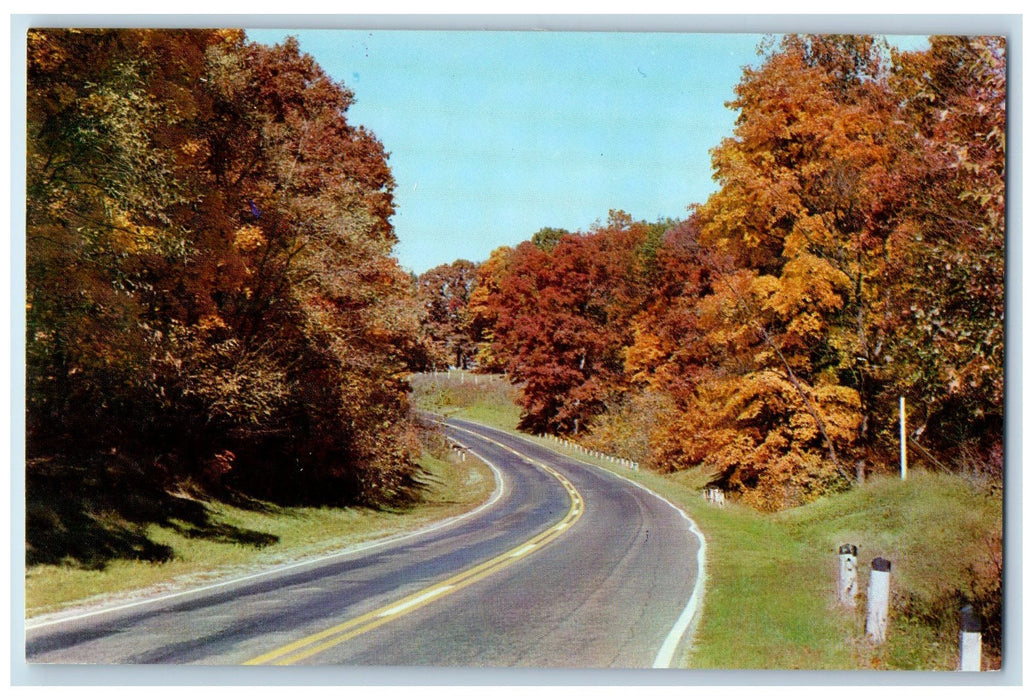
[[848, 575], [971, 640], [878, 600]]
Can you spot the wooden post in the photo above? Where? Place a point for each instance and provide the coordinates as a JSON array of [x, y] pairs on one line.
[[971, 641], [878, 600], [903, 440], [848, 575]]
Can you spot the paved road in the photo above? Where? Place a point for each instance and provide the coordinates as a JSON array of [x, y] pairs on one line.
[[567, 566]]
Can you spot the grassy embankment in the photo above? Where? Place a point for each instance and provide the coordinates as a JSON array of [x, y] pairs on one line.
[[229, 539], [770, 599]]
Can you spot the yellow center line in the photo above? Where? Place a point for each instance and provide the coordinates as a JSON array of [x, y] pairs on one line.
[[415, 601], [522, 551], [328, 638]]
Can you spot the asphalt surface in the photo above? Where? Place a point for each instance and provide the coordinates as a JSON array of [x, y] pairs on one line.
[[569, 566]]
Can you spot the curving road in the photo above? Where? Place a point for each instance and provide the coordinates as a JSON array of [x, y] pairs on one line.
[[567, 565]]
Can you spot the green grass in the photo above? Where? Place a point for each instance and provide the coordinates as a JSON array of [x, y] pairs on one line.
[[770, 600], [487, 398], [286, 534], [942, 534]]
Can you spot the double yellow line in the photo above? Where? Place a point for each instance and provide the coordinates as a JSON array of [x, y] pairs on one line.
[[321, 641]]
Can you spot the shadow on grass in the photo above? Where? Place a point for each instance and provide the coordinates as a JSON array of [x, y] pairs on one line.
[[87, 518]]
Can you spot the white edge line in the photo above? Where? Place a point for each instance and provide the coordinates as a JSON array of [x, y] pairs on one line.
[[688, 615], [391, 539], [666, 654]]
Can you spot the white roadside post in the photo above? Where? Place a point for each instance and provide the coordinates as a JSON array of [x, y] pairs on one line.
[[971, 641], [878, 600], [848, 575], [903, 440]]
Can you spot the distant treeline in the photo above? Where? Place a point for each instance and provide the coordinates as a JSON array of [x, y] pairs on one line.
[[853, 254]]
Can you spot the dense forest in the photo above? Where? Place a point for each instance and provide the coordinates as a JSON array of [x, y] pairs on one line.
[[853, 253], [211, 297]]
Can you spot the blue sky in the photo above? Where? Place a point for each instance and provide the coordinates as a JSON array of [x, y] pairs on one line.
[[494, 135]]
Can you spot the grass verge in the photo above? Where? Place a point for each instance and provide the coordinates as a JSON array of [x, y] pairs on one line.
[[770, 600], [286, 534], [487, 398]]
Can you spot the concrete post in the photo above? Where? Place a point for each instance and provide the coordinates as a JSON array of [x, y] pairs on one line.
[[878, 600], [848, 575], [971, 641]]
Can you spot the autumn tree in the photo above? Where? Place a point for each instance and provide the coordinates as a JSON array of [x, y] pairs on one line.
[[210, 287], [944, 317], [860, 208], [791, 239], [444, 296], [559, 311], [101, 201]]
